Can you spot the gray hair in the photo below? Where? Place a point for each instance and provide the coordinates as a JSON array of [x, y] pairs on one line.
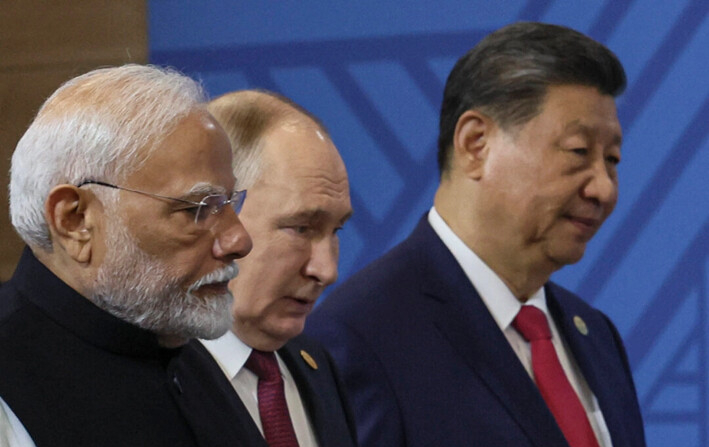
[[101, 125], [246, 116]]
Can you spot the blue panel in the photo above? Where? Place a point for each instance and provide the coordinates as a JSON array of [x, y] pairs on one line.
[[677, 434], [649, 26], [204, 23], [218, 83], [683, 398], [650, 370], [442, 66], [566, 13], [402, 106], [690, 363]]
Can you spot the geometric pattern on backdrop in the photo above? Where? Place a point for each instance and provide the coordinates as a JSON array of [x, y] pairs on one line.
[[647, 268]]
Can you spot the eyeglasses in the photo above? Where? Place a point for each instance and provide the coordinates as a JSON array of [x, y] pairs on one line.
[[209, 206]]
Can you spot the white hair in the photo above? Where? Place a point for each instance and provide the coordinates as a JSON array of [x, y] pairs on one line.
[[101, 125]]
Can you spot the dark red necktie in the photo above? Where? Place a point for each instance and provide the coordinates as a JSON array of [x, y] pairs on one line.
[[272, 407], [552, 381]]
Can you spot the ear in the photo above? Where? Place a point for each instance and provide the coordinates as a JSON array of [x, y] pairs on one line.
[[470, 143], [66, 214]]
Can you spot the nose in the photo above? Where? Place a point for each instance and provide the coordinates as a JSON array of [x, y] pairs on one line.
[[231, 240], [602, 186], [322, 264]]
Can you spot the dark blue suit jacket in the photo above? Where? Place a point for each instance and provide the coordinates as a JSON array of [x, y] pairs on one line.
[[425, 364], [320, 390]]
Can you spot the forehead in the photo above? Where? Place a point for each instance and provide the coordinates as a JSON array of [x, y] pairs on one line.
[[576, 109], [301, 162], [196, 152], [299, 148]]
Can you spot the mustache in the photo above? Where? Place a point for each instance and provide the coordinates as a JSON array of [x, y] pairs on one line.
[[224, 274]]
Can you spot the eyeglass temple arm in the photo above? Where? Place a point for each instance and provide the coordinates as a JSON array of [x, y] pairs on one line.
[[109, 185]]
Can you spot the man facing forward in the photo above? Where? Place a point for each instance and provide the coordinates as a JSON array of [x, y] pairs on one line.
[[298, 200], [456, 337]]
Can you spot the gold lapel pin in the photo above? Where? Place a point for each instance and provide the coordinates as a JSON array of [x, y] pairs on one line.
[[308, 359], [581, 325]]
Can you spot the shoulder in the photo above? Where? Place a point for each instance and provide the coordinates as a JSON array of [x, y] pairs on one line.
[[564, 303], [572, 313], [309, 362], [308, 350], [10, 302], [380, 284]]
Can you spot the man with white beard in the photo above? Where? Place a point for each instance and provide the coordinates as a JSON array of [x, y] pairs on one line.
[[122, 189]]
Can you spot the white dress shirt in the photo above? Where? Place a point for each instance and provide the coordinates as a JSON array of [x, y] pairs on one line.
[[231, 354], [504, 306], [12, 432]]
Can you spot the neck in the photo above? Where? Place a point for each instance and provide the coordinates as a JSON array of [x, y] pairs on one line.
[[257, 340], [520, 273]]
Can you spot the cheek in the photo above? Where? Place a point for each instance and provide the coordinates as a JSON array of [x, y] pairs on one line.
[[187, 256], [265, 272]]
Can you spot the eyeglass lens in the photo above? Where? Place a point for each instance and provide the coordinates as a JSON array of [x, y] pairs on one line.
[[214, 204]]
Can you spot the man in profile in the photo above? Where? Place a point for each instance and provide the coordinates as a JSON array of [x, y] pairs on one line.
[[298, 201], [122, 189], [457, 337]]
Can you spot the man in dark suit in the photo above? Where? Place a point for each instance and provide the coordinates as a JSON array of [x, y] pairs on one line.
[[122, 189], [298, 201], [456, 337]]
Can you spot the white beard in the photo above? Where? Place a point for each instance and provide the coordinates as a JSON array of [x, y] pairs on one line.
[[139, 289]]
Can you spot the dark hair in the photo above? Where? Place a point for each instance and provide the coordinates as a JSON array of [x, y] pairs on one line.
[[506, 76]]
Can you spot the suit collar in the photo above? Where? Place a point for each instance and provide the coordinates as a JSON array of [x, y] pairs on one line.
[[306, 377], [593, 356], [463, 319], [196, 364]]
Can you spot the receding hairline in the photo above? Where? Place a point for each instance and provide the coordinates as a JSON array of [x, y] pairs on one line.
[[273, 107], [248, 117]]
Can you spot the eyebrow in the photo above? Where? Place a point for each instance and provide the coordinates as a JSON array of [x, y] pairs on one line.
[[204, 189], [314, 214], [577, 126]]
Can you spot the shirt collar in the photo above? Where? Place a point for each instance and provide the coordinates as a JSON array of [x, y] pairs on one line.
[[230, 353], [498, 298]]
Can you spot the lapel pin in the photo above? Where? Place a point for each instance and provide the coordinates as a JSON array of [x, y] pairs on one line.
[[581, 325], [309, 360]]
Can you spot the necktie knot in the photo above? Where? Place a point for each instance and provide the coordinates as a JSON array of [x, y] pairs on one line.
[[532, 324], [264, 365]]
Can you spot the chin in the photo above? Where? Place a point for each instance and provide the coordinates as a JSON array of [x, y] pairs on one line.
[[290, 328], [568, 258], [567, 255]]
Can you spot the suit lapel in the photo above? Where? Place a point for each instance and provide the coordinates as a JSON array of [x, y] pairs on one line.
[[592, 357], [197, 364], [306, 381], [463, 319]]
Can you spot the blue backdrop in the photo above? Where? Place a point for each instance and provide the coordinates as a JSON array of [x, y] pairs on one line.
[[374, 72]]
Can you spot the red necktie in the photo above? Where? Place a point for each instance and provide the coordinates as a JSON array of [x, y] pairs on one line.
[[272, 407], [552, 381]]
